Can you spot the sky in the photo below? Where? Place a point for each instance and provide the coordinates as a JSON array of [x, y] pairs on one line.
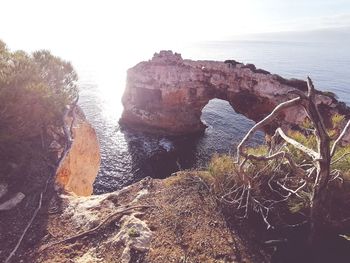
[[91, 30], [103, 38]]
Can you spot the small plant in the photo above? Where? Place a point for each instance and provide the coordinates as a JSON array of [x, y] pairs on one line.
[[260, 149], [337, 120], [223, 170], [221, 165], [133, 232]]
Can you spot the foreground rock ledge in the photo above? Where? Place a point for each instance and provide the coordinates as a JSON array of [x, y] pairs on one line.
[[168, 93], [180, 222]]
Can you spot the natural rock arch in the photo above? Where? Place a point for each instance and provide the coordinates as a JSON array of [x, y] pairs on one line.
[[167, 93]]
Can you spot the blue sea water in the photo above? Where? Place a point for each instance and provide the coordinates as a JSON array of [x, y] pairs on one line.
[[128, 156]]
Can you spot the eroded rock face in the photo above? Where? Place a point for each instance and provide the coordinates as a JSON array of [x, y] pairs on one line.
[[168, 93], [78, 169]]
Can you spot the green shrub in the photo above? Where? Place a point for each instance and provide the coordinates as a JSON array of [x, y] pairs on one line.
[[337, 120], [34, 90], [258, 150]]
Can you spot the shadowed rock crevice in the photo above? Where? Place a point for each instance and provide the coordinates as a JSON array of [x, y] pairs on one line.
[[167, 93]]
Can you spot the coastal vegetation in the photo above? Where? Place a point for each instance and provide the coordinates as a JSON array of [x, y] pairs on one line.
[[34, 90]]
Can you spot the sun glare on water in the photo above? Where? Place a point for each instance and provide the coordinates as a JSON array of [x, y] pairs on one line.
[[111, 88]]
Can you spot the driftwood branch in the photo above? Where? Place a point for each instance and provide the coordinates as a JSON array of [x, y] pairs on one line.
[[312, 108]]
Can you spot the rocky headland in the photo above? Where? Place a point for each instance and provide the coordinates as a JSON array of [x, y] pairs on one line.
[[167, 93]]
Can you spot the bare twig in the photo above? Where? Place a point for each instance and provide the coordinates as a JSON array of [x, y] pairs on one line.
[[342, 134], [267, 120], [291, 190]]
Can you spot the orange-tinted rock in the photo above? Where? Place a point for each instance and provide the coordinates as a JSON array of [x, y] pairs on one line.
[[78, 170], [168, 93]]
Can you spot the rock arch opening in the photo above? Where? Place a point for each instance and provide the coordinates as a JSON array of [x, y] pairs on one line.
[[225, 127]]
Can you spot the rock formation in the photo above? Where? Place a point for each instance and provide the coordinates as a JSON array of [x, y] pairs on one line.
[[78, 169], [168, 93]]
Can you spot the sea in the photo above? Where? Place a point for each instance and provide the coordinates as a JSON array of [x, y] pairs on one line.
[[128, 156]]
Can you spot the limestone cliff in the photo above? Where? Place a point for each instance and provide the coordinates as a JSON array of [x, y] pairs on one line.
[[167, 93], [79, 167]]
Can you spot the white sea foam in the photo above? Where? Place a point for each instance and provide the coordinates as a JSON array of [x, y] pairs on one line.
[[166, 144]]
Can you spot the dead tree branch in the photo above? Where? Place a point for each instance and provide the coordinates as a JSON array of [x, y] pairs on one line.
[[318, 169], [267, 120], [297, 145]]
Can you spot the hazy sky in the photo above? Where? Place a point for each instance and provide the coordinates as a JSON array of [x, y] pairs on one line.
[[86, 27]]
